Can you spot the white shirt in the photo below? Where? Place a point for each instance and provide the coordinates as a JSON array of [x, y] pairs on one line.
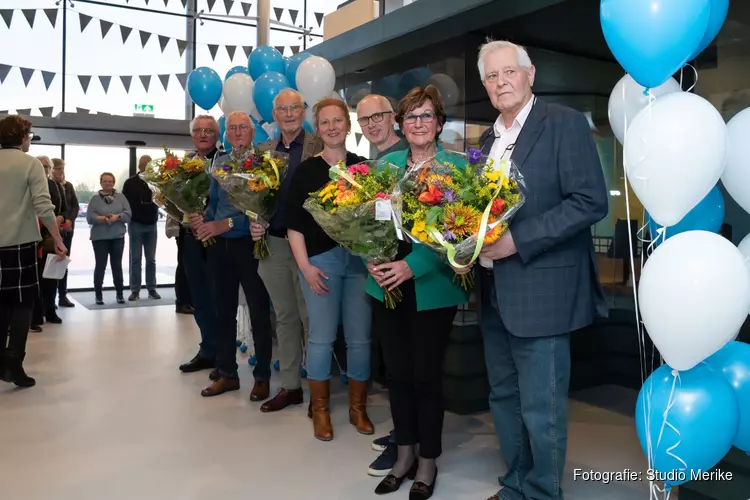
[[505, 139]]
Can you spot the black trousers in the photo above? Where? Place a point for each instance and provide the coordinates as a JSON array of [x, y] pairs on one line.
[[62, 285], [14, 327], [231, 264], [181, 287], [414, 344], [37, 313], [112, 250]]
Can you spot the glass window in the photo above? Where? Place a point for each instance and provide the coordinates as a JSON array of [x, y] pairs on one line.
[[316, 11], [45, 150], [118, 58], [33, 78]]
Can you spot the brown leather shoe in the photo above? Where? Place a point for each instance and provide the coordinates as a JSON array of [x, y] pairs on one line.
[[358, 407], [261, 390], [320, 397], [282, 399], [224, 384]]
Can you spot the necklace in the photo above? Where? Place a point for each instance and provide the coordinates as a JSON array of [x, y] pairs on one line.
[[330, 161], [419, 159]]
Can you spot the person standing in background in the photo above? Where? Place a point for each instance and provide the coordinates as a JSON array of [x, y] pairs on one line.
[[49, 286], [68, 226], [183, 302], [142, 231]]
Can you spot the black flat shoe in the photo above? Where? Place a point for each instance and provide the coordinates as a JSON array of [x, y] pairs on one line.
[[421, 491], [391, 483]]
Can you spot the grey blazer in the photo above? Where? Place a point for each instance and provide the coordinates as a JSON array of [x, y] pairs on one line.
[[551, 286]]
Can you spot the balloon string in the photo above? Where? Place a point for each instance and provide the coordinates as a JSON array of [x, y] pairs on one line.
[[695, 81]]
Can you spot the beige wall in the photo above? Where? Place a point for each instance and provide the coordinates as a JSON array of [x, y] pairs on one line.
[[349, 17]]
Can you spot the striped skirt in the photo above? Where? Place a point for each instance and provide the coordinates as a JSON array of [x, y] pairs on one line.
[[19, 282]]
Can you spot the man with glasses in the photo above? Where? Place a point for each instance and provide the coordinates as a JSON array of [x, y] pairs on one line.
[[279, 269], [205, 132], [377, 119], [142, 230], [231, 263], [67, 228]]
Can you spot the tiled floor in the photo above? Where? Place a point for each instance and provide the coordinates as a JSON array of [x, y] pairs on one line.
[[112, 419]]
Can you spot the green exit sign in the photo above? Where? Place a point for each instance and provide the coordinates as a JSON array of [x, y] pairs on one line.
[[143, 109]]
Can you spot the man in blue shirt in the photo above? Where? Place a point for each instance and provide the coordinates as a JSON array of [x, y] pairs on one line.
[[231, 263], [279, 270]]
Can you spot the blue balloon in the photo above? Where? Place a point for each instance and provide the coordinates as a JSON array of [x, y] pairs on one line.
[[225, 143], [708, 215], [265, 89], [293, 66], [387, 86], [703, 410], [263, 59], [204, 87], [416, 77], [308, 127], [719, 9], [260, 135], [235, 70], [222, 125], [733, 361], [653, 39]]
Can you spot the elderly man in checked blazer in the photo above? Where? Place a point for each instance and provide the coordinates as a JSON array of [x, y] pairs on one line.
[[539, 281]]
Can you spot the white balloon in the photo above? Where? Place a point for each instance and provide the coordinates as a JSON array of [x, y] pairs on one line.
[[238, 94], [447, 87], [744, 248], [694, 295], [310, 116], [627, 99], [316, 79], [674, 155], [736, 177], [223, 106], [336, 95]]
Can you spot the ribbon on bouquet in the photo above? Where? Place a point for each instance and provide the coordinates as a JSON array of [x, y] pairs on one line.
[[336, 171]]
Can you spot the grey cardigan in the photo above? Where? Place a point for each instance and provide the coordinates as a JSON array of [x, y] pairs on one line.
[[99, 207]]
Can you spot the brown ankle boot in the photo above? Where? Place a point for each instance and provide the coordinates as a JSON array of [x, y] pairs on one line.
[[320, 396], [358, 407]]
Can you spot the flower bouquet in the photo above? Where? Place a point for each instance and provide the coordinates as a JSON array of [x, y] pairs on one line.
[[183, 181], [354, 209], [252, 181], [162, 202], [454, 203]]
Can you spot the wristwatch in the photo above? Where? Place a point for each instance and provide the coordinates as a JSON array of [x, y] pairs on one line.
[[230, 221]]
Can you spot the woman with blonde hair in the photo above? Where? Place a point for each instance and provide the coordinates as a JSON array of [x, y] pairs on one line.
[[332, 279]]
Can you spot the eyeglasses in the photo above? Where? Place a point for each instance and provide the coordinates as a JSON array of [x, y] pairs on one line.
[[204, 131], [31, 135], [285, 109], [426, 117], [242, 128], [375, 117]]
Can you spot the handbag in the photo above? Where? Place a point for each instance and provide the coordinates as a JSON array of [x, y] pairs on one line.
[[48, 243]]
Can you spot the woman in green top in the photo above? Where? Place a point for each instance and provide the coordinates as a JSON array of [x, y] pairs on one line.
[[414, 335]]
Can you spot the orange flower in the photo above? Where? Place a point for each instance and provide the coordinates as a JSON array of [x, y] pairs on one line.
[[493, 235], [171, 163], [498, 205], [432, 196]]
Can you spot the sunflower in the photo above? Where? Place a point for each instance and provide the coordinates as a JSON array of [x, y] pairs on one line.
[[461, 220], [494, 233]]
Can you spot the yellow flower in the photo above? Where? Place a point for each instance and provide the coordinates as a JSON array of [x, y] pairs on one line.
[[493, 175], [462, 220]]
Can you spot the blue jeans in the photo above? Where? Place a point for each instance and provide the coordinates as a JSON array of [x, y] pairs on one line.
[[529, 379], [142, 241], [346, 302], [196, 272]]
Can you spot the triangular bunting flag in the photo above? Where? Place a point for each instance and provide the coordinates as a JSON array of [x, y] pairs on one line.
[[181, 46], [213, 49], [164, 79], [246, 8], [26, 73], [48, 76], [30, 15], [84, 80], [184, 4], [125, 32], [228, 5], [144, 38], [46, 111], [163, 41], [147, 2], [126, 82], [295, 49], [211, 4], [358, 137], [7, 15], [52, 16], [166, 3], [4, 69], [85, 20], [104, 80], [293, 13], [278, 11], [280, 48], [146, 81], [82, 111], [24, 112], [319, 18], [182, 78], [105, 26], [230, 51], [247, 50]]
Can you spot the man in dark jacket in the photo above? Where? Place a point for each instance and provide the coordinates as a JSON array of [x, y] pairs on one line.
[[68, 227], [143, 232]]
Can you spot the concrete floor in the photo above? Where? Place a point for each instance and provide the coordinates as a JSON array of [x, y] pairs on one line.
[[113, 419]]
